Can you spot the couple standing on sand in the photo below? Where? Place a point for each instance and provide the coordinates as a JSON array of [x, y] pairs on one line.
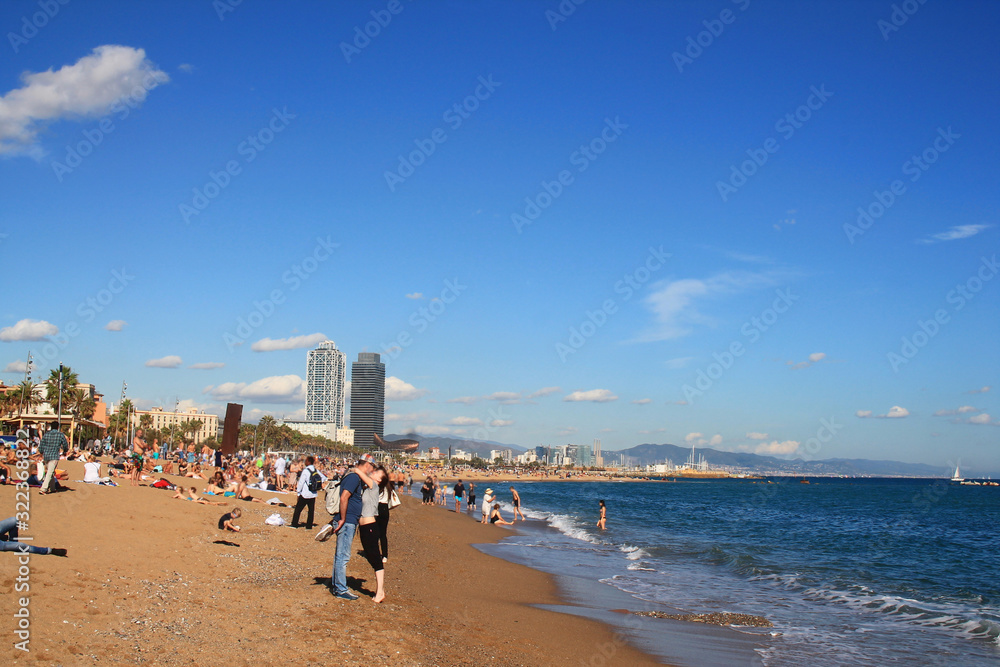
[[361, 508]]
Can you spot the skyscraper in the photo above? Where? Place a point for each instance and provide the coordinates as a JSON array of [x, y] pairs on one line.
[[367, 399], [326, 368]]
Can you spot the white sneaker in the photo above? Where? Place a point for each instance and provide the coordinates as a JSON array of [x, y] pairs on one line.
[[324, 533]]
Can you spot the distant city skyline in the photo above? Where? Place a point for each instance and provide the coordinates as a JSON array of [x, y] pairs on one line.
[[367, 398], [773, 234], [326, 376]]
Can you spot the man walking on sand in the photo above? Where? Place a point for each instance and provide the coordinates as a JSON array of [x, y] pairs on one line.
[[53, 444], [279, 471], [347, 525], [307, 496], [459, 492]]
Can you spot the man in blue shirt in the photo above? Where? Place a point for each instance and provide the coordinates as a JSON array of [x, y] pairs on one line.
[[347, 524]]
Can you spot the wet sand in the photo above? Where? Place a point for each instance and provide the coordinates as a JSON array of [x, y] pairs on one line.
[[147, 582]]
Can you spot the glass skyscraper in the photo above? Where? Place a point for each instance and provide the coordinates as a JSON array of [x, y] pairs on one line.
[[326, 370], [367, 399]]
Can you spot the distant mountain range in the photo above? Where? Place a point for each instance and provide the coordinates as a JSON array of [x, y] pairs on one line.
[[647, 453]]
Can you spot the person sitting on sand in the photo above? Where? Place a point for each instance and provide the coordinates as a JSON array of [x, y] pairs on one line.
[[243, 494], [226, 521], [496, 518], [9, 541]]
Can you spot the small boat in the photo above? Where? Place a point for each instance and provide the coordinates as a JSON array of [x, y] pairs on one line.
[[957, 477]]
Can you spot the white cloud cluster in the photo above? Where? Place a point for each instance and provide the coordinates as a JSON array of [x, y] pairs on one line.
[[544, 391], [291, 343], [398, 390], [18, 367], [89, 88], [757, 436], [28, 330], [698, 439], [775, 448], [895, 412], [965, 409], [415, 295], [274, 389], [169, 361], [115, 325], [592, 396], [642, 401], [981, 390]]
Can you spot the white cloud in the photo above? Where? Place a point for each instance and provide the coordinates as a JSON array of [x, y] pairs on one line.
[[18, 367], [678, 362], [115, 325], [673, 303], [677, 403], [569, 430], [965, 409], [431, 429], [497, 423], [659, 430], [465, 421], [593, 396], [715, 440], [415, 295], [983, 419], [408, 417], [89, 88], [398, 390], [291, 343], [186, 67], [953, 234], [895, 412], [506, 397], [757, 436], [208, 365], [777, 448], [698, 439], [694, 438], [642, 401], [981, 390], [465, 400], [28, 330], [274, 389], [813, 358], [544, 391], [169, 361]]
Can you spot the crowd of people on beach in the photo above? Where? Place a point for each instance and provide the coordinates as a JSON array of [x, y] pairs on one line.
[[359, 495]]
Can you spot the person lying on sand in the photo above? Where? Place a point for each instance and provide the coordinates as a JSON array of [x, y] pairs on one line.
[[196, 473], [9, 541], [193, 496]]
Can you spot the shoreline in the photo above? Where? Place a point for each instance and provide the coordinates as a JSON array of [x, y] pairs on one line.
[[149, 580]]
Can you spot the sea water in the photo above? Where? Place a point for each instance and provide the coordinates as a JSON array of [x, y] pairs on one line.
[[849, 571]]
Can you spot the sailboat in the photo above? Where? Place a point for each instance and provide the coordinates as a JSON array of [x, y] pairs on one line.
[[957, 477]]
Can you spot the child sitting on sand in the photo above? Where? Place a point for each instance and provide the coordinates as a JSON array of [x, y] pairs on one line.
[[226, 521]]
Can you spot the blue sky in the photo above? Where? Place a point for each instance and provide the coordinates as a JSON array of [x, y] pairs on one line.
[[665, 207]]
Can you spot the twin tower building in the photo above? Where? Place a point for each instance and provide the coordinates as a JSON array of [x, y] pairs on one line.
[[326, 394]]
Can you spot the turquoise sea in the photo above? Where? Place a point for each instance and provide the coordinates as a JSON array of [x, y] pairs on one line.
[[849, 571]]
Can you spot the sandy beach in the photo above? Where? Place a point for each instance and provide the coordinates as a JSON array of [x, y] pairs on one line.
[[147, 582]]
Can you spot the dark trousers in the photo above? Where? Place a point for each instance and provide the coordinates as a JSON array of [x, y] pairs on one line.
[[382, 521], [299, 505]]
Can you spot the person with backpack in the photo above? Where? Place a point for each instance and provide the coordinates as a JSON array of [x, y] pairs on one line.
[[309, 484]]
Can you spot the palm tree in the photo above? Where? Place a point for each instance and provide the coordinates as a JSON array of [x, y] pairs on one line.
[[118, 423], [191, 426], [145, 422], [69, 382], [266, 427]]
